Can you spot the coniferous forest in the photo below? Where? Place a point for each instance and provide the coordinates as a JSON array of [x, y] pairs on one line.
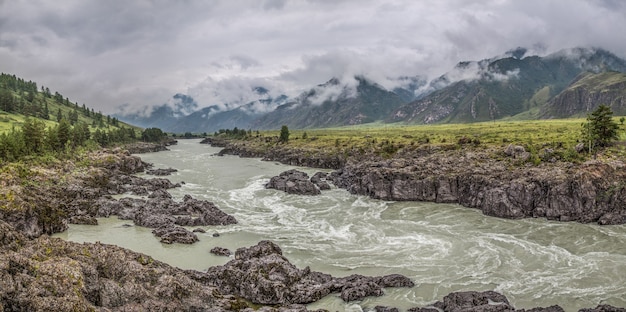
[[35, 122]]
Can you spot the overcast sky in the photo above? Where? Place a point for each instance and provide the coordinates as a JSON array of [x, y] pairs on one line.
[[140, 53]]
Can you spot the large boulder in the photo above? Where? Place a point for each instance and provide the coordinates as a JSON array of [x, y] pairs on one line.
[[170, 234], [293, 182], [262, 275]]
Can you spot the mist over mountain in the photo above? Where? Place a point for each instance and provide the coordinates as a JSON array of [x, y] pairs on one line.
[[515, 84], [334, 103], [505, 87]]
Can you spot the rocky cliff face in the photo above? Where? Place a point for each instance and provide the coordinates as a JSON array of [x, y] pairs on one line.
[[592, 192], [587, 93], [499, 186]]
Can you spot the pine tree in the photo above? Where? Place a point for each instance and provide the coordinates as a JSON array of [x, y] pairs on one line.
[[284, 134], [63, 133], [33, 132], [46, 112], [59, 115], [600, 130]]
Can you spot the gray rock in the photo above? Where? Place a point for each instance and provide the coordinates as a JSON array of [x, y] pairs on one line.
[[161, 172], [319, 179], [220, 251], [88, 220], [170, 234], [582, 193], [271, 279], [293, 182]]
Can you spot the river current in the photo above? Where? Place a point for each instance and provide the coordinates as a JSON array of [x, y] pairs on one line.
[[441, 247]]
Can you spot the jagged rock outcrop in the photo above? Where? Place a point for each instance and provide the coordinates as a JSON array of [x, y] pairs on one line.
[[319, 179], [220, 251], [145, 147], [491, 301], [84, 195], [170, 233], [585, 193], [161, 172], [60, 195], [48, 274], [293, 182], [165, 215], [262, 275]]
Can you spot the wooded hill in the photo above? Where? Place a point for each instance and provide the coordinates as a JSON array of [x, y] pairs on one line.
[[34, 121]]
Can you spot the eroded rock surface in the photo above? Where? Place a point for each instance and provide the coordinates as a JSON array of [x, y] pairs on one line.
[[161, 172], [261, 274], [48, 274], [297, 182], [220, 251], [293, 182], [165, 215], [585, 193]]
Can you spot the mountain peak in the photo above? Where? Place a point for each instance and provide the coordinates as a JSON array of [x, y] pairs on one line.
[[517, 53], [260, 90]]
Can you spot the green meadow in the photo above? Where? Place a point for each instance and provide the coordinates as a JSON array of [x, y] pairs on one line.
[[560, 135]]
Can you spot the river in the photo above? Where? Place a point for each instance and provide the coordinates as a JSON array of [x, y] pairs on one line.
[[441, 247]]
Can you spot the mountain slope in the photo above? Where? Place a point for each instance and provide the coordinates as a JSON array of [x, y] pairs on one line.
[[333, 104], [162, 117], [588, 92], [20, 99], [504, 87]]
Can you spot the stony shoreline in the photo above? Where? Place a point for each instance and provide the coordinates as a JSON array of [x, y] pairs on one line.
[[492, 181], [39, 273]]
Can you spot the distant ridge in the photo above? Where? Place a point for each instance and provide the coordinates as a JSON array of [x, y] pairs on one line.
[[515, 86]]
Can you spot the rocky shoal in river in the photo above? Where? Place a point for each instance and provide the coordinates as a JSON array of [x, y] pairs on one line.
[[497, 182], [46, 207]]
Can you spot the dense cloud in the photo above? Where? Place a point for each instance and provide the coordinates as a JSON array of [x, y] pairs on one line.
[[142, 52]]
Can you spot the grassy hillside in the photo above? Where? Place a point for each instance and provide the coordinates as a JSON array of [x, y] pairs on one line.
[[34, 122], [20, 99]]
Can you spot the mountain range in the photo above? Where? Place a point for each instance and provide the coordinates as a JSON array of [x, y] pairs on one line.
[[568, 83]]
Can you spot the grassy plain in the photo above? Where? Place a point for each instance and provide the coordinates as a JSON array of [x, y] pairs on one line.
[[535, 135], [10, 120]]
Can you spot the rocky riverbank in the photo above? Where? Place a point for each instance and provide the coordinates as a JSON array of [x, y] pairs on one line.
[[39, 273], [313, 158], [50, 200], [47, 274], [590, 192], [497, 182], [145, 147]]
